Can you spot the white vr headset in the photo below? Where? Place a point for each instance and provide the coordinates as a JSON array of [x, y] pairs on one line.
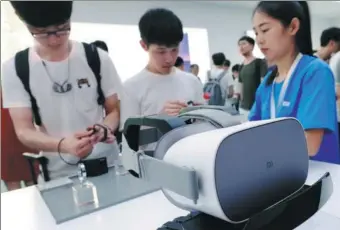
[[221, 167]]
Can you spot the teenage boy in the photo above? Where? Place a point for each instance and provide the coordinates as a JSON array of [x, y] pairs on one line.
[[160, 88], [62, 94]]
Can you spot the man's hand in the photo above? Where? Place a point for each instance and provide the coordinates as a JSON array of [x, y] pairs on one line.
[[83, 134], [173, 108], [79, 144]]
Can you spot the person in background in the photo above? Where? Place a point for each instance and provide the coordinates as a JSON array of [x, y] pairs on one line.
[[334, 64], [68, 112], [330, 52], [179, 63], [194, 69], [330, 43], [226, 65], [235, 70], [300, 85], [101, 44], [160, 88], [220, 71], [252, 71]]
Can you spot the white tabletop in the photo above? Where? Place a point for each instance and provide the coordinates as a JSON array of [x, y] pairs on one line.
[[25, 209]]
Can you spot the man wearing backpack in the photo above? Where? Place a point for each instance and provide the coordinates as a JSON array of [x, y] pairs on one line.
[[62, 86], [218, 86]]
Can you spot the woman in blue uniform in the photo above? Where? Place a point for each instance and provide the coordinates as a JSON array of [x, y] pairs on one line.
[[300, 85]]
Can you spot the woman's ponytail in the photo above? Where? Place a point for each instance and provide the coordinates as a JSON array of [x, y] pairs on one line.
[[304, 36]]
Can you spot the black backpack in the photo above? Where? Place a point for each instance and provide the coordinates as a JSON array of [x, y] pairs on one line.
[[22, 70]]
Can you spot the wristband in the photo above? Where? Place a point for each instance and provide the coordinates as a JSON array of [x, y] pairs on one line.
[[108, 128], [105, 131], [59, 153], [59, 144]]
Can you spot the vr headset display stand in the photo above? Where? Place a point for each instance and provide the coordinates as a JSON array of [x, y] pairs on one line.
[[286, 215]]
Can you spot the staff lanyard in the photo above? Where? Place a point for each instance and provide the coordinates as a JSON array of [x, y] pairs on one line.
[[273, 108]]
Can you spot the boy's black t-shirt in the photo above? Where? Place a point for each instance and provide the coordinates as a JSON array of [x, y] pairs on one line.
[[250, 76]]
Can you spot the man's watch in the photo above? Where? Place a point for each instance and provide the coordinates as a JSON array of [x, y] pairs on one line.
[[109, 130], [105, 129]]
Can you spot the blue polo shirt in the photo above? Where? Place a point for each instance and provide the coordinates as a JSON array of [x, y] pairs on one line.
[[310, 98]]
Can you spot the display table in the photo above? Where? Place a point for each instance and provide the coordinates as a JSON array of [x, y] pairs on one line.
[[110, 190], [25, 209], [316, 170]]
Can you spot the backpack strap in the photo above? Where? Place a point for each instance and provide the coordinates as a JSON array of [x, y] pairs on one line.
[[209, 75], [23, 72], [93, 61], [219, 78]]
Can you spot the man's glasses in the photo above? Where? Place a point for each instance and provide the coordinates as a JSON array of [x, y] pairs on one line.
[[57, 33]]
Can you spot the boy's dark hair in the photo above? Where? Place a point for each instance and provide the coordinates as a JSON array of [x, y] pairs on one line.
[[235, 68], [247, 39], [218, 59], [193, 66], [285, 11], [179, 62], [227, 63], [101, 44], [161, 27], [43, 13], [330, 34]]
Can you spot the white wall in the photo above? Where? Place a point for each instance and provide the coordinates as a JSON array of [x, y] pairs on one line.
[[130, 58], [14, 35], [225, 24]]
